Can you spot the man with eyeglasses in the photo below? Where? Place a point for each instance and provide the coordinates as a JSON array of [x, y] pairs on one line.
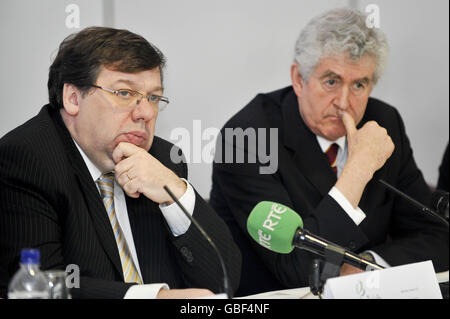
[[83, 181], [335, 143]]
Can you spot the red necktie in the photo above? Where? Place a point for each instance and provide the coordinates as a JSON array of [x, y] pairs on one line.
[[332, 155]]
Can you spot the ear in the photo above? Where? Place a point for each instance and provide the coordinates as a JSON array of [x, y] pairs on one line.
[[71, 99], [297, 79]]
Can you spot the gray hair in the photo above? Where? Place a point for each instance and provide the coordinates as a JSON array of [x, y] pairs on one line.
[[340, 31]]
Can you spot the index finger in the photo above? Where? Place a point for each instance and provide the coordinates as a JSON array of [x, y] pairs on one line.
[[349, 123], [124, 149]]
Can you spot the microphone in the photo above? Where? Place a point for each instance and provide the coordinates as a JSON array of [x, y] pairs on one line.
[[412, 201], [439, 200], [226, 280], [278, 228]]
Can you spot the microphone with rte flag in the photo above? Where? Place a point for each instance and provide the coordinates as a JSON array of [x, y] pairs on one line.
[[280, 229]]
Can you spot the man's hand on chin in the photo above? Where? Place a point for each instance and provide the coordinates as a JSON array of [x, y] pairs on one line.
[[368, 150], [138, 172]]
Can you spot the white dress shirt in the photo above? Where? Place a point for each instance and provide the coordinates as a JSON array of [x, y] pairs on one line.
[[356, 214], [177, 221]]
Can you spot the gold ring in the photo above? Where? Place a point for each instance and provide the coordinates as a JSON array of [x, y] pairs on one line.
[[129, 179]]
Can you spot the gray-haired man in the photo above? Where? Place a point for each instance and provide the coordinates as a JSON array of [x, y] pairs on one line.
[[335, 143]]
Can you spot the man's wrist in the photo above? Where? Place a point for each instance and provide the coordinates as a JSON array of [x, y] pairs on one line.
[[175, 217], [178, 188], [357, 171], [352, 182]]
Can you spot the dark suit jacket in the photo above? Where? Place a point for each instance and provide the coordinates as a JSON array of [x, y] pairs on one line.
[[49, 201], [392, 228], [443, 172]]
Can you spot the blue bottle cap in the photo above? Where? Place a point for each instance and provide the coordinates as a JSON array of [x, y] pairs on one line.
[[29, 256]]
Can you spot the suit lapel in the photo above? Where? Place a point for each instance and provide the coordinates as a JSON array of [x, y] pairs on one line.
[[90, 192], [308, 156]]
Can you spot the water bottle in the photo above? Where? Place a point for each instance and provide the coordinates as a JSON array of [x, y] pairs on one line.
[[28, 282]]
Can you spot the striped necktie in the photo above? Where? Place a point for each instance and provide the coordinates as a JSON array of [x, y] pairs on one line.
[[106, 185], [331, 153]]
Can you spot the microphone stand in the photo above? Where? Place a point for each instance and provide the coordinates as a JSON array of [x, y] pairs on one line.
[[330, 267], [322, 270]]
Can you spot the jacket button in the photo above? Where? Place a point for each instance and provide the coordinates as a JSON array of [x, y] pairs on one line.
[[187, 254]]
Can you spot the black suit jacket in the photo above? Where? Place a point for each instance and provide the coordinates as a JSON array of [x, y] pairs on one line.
[[392, 228], [443, 172], [49, 201]]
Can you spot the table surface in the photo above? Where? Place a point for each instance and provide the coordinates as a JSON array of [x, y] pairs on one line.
[[305, 293]]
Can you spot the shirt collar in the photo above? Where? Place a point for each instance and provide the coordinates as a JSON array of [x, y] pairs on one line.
[[325, 144], [93, 170]]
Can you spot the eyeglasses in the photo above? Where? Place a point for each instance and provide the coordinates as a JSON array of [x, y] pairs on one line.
[[125, 97]]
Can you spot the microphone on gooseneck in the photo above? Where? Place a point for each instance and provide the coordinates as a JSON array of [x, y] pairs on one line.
[[280, 229], [412, 201], [226, 281]]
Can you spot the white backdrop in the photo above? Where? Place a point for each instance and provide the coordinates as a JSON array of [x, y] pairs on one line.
[[222, 53]]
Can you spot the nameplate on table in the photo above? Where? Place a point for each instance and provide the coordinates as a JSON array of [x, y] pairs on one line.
[[412, 281]]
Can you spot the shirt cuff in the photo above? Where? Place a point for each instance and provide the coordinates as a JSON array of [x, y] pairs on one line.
[[357, 215], [176, 219], [378, 259], [149, 291]]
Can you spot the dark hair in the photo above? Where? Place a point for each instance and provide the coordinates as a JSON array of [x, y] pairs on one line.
[[81, 55]]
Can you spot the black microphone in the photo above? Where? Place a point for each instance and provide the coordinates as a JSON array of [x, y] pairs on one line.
[[279, 228], [303, 239], [226, 281], [439, 201], [412, 201]]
